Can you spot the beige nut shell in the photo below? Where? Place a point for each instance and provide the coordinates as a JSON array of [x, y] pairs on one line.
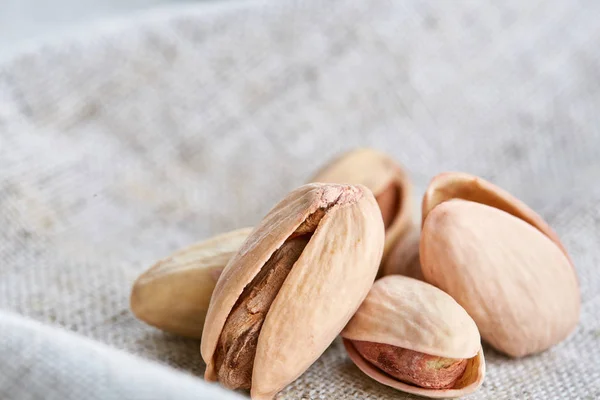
[[376, 171], [322, 291], [174, 294], [407, 313], [404, 257], [459, 185], [515, 282]]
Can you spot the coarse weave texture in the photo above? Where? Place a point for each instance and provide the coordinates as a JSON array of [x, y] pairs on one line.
[[125, 144]]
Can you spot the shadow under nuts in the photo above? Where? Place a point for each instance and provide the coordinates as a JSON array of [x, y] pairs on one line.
[[501, 262], [411, 336], [291, 288], [173, 295]]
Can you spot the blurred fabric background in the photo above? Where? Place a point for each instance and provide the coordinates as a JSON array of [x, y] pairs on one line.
[[25, 21], [129, 139]]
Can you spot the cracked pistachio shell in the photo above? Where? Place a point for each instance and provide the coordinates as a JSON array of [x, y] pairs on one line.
[[322, 291], [388, 181], [501, 262], [173, 295], [407, 313], [459, 185]]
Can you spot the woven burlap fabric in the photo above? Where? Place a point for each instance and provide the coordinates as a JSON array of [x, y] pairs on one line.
[[125, 143]]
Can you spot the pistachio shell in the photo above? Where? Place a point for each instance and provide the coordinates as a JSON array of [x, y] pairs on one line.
[[459, 185], [323, 289], [469, 383], [415, 315], [404, 257], [173, 295], [514, 281], [381, 174]]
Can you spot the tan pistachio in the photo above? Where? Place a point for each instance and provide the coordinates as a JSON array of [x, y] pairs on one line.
[[404, 257], [500, 261], [388, 181], [291, 288], [174, 294], [412, 336]]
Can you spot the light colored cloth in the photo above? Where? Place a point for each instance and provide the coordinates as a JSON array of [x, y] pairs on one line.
[[125, 144], [41, 362]]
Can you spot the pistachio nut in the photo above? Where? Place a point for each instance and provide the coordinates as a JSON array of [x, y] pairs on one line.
[[291, 288], [173, 295], [501, 262], [387, 180], [404, 257], [412, 336]]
